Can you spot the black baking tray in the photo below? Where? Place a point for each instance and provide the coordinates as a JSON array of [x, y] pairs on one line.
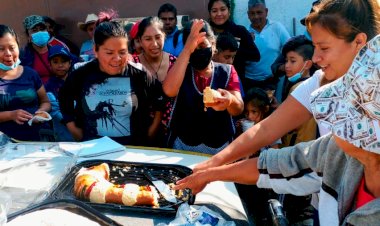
[[73, 206], [122, 172]]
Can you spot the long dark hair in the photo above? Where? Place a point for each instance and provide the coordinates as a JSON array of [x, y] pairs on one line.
[[106, 28], [148, 21], [260, 99], [211, 3]]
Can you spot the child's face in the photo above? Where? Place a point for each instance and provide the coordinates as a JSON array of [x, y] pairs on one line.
[[137, 46], [60, 66], [294, 63], [253, 113], [224, 57]]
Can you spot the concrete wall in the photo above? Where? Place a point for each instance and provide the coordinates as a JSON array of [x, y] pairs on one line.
[[288, 12], [69, 12]]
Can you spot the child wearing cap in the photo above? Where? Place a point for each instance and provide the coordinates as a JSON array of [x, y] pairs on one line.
[[60, 62], [35, 53]]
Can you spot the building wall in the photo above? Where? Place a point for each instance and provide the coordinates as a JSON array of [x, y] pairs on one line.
[[288, 12], [70, 12]]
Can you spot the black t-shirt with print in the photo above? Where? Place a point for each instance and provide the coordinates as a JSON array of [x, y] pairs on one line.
[[115, 106]]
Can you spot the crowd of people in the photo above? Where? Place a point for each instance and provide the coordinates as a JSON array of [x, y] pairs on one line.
[[142, 84]]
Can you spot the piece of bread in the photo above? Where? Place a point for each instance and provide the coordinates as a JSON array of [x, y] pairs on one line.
[[42, 114], [93, 184], [209, 95]]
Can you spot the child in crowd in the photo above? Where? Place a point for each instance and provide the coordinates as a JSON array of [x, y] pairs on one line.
[[134, 46], [298, 52], [257, 106], [226, 48], [60, 63]]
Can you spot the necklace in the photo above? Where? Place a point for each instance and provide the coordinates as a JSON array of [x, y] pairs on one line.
[[151, 67]]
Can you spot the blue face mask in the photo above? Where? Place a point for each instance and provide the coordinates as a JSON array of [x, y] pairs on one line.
[[297, 76], [8, 68], [40, 38]]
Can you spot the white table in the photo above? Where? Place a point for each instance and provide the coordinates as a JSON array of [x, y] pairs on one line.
[[37, 177], [221, 194]]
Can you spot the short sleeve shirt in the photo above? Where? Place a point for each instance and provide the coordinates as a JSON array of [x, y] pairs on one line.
[[303, 91], [20, 93]]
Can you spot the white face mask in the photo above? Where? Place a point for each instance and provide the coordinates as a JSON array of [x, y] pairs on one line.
[[8, 68], [246, 124]]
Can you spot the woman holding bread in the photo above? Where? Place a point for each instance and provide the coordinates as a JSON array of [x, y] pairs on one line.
[[202, 120], [21, 91]]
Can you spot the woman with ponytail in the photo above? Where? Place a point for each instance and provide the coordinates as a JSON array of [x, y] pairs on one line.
[[110, 96]]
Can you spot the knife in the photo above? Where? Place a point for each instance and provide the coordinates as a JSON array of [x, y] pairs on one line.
[[163, 188]]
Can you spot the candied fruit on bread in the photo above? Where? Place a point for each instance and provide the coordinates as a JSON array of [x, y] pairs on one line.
[[93, 184]]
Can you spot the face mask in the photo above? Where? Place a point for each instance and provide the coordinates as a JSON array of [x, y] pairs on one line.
[[246, 124], [8, 68], [200, 58], [40, 38], [297, 76]]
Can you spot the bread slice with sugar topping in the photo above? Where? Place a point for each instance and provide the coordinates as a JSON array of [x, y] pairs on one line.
[[209, 95]]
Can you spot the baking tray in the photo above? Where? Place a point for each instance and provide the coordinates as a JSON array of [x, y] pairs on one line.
[[131, 172], [73, 206]]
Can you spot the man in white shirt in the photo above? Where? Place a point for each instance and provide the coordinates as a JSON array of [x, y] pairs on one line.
[[269, 37]]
